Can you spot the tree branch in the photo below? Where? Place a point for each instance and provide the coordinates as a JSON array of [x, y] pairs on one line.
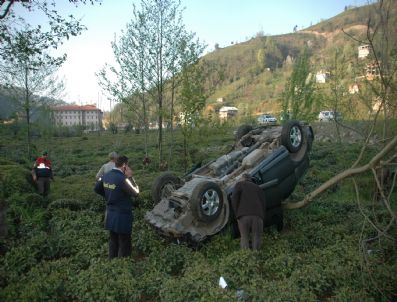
[[347, 173]]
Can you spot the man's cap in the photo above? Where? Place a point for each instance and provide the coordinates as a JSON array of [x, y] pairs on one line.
[[113, 155], [45, 152]]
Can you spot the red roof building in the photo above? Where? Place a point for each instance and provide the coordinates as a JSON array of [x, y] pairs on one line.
[[87, 116]]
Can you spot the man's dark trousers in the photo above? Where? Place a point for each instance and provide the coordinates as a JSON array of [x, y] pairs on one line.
[[43, 185], [119, 245], [253, 224]]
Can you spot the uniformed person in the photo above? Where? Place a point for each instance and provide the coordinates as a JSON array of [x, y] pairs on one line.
[[42, 173], [119, 188]]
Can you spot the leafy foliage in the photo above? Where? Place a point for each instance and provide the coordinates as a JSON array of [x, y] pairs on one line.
[[56, 249]]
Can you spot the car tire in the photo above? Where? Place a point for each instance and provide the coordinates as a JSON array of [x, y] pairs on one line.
[[292, 136], [164, 185], [243, 130], [207, 201]]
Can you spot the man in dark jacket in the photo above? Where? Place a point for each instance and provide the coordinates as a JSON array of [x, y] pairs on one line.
[[248, 202], [118, 188]]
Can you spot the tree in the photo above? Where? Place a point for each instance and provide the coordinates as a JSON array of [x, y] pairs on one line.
[[338, 90], [128, 82], [269, 55], [58, 27], [299, 97], [148, 59], [29, 75], [192, 92], [165, 28]]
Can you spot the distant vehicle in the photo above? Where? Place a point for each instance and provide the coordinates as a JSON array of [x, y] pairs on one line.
[[266, 119], [326, 116]]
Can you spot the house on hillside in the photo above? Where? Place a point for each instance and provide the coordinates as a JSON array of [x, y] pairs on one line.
[[372, 71], [354, 88], [88, 116], [363, 51], [322, 76], [227, 112]]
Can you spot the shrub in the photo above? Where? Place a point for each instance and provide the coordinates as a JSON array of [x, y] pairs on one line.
[[14, 179], [25, 214], [67, 203], [76, 231], [107, 280], [199, 282], [350, 294], [278, 291], [16, 262], [239, 267], [47, 281]]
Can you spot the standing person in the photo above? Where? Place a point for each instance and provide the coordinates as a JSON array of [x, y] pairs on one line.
[[108, 166], [118, 188], [42, 173], [248, 202]]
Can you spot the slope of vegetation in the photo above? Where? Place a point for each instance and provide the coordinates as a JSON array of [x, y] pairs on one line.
[[56, 248]]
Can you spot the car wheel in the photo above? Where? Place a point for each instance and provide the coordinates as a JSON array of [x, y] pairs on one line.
[[292, 136], [164, 185], [207, 201], [243, 130]]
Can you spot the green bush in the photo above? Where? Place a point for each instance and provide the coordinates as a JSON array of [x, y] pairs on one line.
[[14, 179], [66, 203], [199, 282], [278, 291], [350, 294], [25, 214], [76, 231], [107, 280], [239, 267], [47, 281]]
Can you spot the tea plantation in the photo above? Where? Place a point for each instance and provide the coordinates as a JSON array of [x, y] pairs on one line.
[[56, 248]]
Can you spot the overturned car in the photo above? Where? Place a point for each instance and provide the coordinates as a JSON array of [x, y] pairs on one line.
[[197, 205]]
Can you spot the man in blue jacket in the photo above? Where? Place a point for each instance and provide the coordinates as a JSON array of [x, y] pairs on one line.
[[118, 188]]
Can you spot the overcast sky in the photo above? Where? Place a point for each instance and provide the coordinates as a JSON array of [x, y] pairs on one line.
[[213, 21]]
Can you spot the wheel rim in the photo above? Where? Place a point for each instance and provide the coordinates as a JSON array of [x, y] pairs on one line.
[[167, 189], [210, 202], [295, 136]]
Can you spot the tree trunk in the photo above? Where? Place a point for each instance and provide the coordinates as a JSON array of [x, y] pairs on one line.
[[27, 110], [172, 124]]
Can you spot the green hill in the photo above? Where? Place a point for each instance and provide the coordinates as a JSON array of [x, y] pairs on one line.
[[255, 85]]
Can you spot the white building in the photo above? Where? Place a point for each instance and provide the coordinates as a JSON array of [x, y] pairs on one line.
[[87, 116], [354, 88], [321, 76], [226, 112], [363, 51]]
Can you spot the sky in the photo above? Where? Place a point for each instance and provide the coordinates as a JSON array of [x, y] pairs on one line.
[[213, 21]]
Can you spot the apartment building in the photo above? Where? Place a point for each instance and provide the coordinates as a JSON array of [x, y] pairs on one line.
[[88, 116]]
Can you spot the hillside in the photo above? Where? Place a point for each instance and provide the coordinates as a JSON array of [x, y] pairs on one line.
[[255, 88]]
